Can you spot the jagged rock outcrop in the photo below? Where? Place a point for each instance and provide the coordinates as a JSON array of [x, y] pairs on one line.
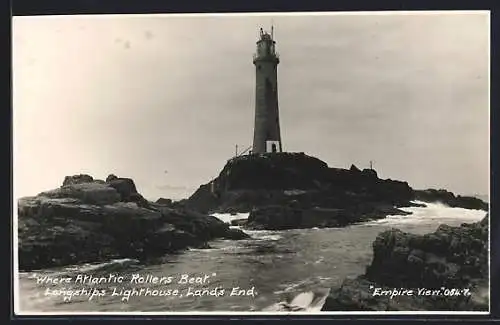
[[452, 260], [287, 190], [77, 179], [448, 198], [88, 220]]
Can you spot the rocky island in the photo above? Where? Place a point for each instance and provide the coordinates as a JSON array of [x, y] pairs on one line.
[[294, 190]]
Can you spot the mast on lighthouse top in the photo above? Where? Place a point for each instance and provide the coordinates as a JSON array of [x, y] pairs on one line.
[[266, 47]]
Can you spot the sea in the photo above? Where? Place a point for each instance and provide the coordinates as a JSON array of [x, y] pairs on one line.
[[272, 267]]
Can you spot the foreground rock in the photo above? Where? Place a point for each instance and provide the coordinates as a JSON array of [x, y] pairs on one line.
[[88, 220], [452, 260]]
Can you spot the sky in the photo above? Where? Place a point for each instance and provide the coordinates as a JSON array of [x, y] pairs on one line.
[[164, 99]]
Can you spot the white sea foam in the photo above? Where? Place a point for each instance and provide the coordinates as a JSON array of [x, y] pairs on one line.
[[269, 237], [88, 267], [261, 234], [264, 234], [203, 250], [307, 301], [123, 262], [432, 212], [227, 217], [290, 287]]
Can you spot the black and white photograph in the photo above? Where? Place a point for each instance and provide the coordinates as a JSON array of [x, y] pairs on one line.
[[252, 163]]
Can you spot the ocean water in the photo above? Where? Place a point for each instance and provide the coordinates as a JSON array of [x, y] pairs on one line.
[[271, 267]]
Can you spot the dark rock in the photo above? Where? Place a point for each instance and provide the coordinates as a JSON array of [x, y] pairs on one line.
[[448, 198], [281, 217], [485, 221], [162, 201], [77, 179], [139, 199], [127, 190], [111, 177], [354, 295], [370, 173], [179, 205], [239, 222], [91, 193], [354, 169], [449, 258], [274, 218], [124, 186], [359, 295], [469, 202], [98, 222], [236, 234]]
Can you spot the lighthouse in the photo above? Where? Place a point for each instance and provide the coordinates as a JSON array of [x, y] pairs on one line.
[[267, 137]]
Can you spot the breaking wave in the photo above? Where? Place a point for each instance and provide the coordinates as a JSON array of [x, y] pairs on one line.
[[431, 213], [227, 217]]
